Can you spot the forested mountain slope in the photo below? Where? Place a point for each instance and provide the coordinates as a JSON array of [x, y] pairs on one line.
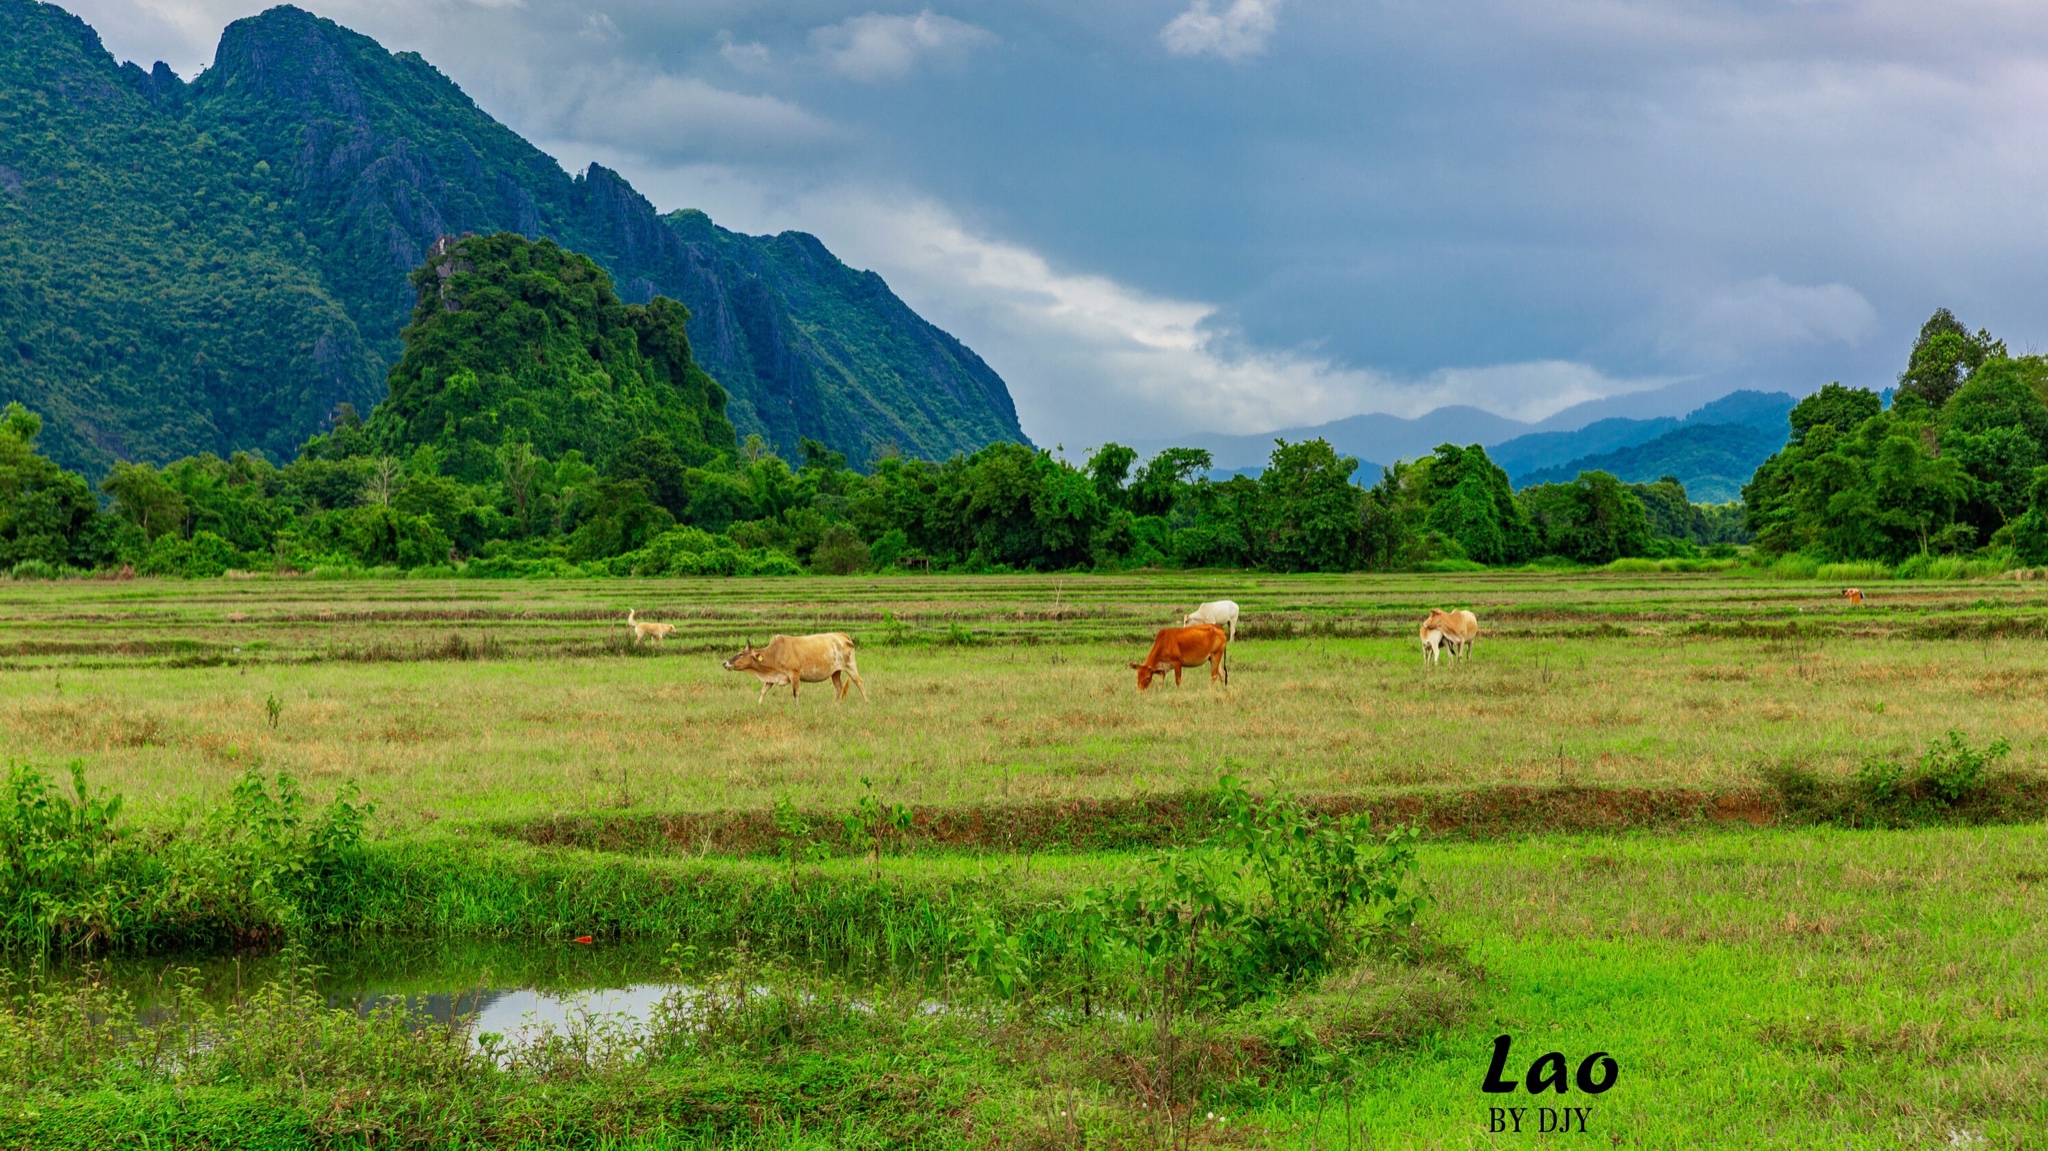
[[217, 265]]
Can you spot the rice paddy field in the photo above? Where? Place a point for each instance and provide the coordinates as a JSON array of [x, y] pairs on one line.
[[1614, 796]]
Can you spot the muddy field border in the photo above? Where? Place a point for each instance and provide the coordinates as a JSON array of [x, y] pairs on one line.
[[1158, 821]]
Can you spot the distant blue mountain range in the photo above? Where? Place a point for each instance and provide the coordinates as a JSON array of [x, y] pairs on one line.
[[1712, 449]]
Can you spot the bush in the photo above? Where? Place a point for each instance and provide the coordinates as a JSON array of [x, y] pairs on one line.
[[204, 556], [839, 552], [1858, 572], [1277, 894], [34, 569], [689, 551], [1950, 777], [1951, 567], [256, 866]]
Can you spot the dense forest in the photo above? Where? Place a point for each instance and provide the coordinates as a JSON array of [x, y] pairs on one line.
[[539, 425], [217, 265], [1956, 464]]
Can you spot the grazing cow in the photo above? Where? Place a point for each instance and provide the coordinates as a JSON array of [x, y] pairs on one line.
[[1179, 647], [800, 659], [643, 630], [1853, 595], [1459, 629], [1222, 613]]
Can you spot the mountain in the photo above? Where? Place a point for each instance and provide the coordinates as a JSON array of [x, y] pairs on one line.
[[218, 265], [1525, 456], [515, 341], [1713, 461], [155, 298], [1373, 436], [1583, 429]]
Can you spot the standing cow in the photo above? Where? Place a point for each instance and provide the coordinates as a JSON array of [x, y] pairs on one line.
[[1222, 613], [800, 659], [1454, 628], [1179, 647]]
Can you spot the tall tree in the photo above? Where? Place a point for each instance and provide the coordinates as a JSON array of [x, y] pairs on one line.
[[1944, 356]]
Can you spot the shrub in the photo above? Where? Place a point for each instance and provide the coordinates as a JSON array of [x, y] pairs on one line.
[[839, 552], [204, 556], [1275, 895], [1955, 771], [34, 569], [257, 865]]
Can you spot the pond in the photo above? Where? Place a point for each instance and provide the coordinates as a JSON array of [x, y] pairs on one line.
[[511, 990]]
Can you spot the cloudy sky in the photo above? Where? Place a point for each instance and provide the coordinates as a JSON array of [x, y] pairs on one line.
[[1164, 216]]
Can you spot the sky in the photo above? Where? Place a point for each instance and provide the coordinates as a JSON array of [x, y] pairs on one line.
[[1158, 217]]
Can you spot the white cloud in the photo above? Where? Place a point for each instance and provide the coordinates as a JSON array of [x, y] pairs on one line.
[[1088, 357], [874, 47], [598, 27], [751, 59], [1238, 31], [666, 117], [1741, 321]]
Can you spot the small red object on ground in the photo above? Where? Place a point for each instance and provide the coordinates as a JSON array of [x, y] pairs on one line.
[[581, 939]]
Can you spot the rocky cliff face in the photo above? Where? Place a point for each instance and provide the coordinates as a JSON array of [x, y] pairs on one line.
[[153, 302], [245, 242]]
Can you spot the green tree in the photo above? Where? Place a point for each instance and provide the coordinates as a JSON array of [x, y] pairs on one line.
[[142, 495], [1469, 501], [1843, 409], [46, 513], [1595, 519], [1310, 513], [1944, 357]]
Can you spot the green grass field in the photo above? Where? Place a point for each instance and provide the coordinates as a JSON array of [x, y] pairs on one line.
[[1778, 985]]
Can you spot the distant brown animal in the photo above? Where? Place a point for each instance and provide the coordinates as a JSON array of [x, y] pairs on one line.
[[801, 659], [1459, 629], [643, 630], [1853, 595], [1179, 647]]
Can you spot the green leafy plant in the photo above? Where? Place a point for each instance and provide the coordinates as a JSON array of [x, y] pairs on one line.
[[1955, 771], [793, 835]]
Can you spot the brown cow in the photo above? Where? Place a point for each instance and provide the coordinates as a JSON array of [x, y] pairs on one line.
[[801, 659], [1179, 647]]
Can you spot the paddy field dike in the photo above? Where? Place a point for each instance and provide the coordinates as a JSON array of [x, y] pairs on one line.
[[1781, 859]]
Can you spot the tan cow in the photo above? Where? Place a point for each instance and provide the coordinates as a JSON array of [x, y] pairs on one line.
[[1179, 647], [800, 659], [1458, 628]]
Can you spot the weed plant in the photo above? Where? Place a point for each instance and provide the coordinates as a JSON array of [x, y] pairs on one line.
[[71, 880]]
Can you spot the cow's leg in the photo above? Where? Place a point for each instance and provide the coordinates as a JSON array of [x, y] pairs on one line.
[[853, 674], [839, 687], [1176, 673], [764, 693]]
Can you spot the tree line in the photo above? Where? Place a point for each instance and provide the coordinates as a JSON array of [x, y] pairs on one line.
[[539, 426], [1954, 461], [345, 504]]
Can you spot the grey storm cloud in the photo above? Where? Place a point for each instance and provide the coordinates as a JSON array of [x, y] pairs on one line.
[[1181, 215]]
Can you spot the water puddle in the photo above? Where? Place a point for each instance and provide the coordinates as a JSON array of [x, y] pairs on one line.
[[506, 995]]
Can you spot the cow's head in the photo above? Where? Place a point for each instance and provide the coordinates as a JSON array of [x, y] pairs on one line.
[[1145, 674], [747, 660]]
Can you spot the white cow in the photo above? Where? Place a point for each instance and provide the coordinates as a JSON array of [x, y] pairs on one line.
[[1222, 613]]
